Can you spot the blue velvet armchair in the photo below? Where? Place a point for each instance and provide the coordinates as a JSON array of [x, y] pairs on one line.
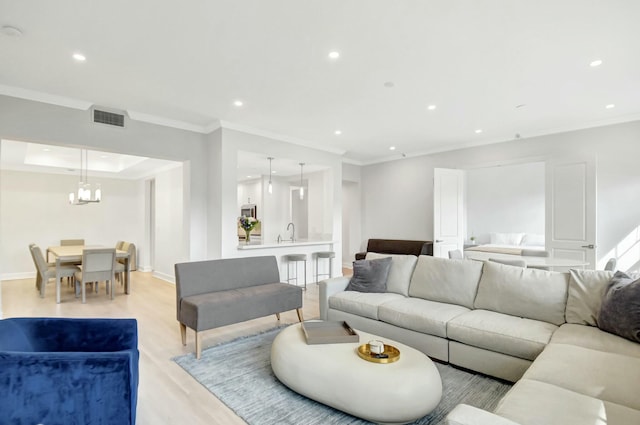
[[68, 371]]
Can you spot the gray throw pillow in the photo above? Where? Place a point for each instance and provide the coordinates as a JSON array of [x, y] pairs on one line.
[[620, 311], [370, 275]]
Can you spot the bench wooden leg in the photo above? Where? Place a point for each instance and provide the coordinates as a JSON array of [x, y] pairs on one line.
[[299, 311], [278, 316], [183, 333], [198, 345]]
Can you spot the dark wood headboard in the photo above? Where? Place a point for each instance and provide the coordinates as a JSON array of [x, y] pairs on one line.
[[397, 246]]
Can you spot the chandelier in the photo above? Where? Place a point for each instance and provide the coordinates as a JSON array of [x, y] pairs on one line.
[[85, 190]]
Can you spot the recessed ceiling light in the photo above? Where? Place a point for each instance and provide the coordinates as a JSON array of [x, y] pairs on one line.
[[478, 131], [10, 31], [595, 63], [431, 107], [610, 106], [337, 132], [392, 148], [79, 57], [104, 156], [248, 177], [334, 55], [238, 103], [389, 84], [46, 150], [273, 171]]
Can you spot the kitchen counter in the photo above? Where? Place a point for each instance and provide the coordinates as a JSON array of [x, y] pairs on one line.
[[284, 244]]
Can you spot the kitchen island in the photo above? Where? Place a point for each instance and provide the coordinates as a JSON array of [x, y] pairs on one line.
[[301, 246]]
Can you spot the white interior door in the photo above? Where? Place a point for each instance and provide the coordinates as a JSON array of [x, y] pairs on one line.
[[571, 209], [448, 211]]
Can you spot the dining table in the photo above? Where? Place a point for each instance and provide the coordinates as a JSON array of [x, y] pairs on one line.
[[73, 254], [531, 260]]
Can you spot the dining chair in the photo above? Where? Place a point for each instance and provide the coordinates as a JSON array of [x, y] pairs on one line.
[[48, 271], [611, 264], [71, 242], [98, 264], [120, 269], [455, 254], [516, 263]]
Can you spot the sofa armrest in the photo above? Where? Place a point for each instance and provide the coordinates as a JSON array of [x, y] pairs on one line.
[[464, 414], [55, 334], [329, 287]]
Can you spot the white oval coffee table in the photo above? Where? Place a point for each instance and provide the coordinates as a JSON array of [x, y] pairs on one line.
[[333, 374]]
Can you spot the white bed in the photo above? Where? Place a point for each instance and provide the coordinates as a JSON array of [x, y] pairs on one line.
[[511, 243]]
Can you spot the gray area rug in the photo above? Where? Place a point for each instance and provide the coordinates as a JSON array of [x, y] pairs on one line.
[[239, 373]]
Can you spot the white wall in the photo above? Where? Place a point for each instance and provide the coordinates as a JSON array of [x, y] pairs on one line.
[[398, 195], [505, 199], [276, 210], [170, 238], [351, 213], [35, 209], [351, 224]]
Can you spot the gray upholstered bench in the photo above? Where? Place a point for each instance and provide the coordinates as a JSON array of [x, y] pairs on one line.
[[215, 293]]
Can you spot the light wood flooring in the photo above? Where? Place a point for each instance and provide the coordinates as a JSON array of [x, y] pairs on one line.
[[167, 394]]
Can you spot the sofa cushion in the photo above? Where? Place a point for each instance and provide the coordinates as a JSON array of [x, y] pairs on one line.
[[531, 402], [515, 336], [445, 280], [370, 275], [530, 293], [607, 376], [420, 315], [361, 303], [586, 290], [400, 272], [620, 310], [594, 338], [221, 308]]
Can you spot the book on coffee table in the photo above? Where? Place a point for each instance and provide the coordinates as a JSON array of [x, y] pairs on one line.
[[329, 332]]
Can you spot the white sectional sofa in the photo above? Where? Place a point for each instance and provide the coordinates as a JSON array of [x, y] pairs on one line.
[[533, 327]]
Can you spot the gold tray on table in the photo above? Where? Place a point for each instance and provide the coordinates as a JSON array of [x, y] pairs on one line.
[[392, 352]]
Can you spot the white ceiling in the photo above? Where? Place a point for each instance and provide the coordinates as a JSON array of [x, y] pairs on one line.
[[476, 60], [34, 157]]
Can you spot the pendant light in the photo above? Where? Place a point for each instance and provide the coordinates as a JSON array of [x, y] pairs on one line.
[[301, 186], [84, 187], [270, 185]]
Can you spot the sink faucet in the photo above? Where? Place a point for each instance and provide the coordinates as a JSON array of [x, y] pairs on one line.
[[293, 231]]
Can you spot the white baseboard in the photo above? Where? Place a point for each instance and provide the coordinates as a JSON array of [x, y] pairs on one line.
[[166, 277], [17, 276], [347, 265], [145, 269]]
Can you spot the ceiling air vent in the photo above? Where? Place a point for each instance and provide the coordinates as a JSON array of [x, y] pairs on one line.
[[109, 118]]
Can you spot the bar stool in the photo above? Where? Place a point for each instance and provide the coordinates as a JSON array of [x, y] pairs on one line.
[[321, 255], [295, 258]]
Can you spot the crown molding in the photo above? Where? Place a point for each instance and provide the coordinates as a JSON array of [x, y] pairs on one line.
[[536, 133], [166, 122], [44, 97]]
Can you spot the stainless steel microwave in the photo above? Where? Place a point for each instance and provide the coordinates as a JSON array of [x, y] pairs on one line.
[[249, 210]]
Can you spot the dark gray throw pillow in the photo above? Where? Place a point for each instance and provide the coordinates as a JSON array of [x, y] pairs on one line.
[[620, 311], [370, 275]]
